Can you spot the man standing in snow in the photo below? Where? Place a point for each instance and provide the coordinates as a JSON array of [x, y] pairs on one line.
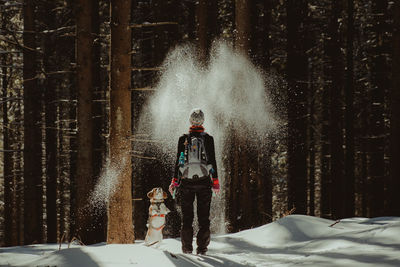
[[196, 176]]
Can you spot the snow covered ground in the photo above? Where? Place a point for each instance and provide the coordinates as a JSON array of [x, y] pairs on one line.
[[293, 240]]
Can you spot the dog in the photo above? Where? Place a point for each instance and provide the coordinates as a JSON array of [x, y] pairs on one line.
[[157, 212]]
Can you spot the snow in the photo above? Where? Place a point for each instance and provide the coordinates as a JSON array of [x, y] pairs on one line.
[[293, 240]]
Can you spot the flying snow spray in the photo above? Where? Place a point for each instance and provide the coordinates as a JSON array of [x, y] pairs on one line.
[[230, 90]]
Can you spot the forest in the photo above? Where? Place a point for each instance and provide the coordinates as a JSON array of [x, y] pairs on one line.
[[316, 111]]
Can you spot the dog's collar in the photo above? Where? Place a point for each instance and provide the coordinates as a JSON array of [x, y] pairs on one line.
[[158, 215], [157, 201]]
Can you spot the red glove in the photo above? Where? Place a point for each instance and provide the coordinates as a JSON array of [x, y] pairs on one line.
[[173, 185], [215, 186]]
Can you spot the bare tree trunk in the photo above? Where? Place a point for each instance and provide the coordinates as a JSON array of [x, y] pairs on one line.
[[242, 44], [206, 26], [33, 188], [120, 227], [379, 83], [349, 187], [99, 117], [243, 26], [297, 69], [312, 144], [50, 118], [10, 205], [84, 164], [17, 139], [201, 12], [335, 85], [394, 184]]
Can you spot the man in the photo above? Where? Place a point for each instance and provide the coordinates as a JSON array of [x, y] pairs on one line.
[[196, 176]]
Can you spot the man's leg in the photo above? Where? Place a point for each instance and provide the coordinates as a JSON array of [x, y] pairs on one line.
[[203, 214], [187, 198]]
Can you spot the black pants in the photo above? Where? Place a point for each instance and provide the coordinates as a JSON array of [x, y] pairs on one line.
[[203, 193]]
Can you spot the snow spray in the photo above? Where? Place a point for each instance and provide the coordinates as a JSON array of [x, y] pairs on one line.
[[106, 185], [229, 89]]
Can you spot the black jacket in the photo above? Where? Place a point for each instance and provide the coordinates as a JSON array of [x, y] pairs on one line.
[[210, 150]]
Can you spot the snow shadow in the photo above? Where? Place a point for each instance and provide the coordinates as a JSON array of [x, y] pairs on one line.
[[358, 259], [70, 257], [184, 260]]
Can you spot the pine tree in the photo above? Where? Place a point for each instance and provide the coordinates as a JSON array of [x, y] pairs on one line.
[[33, 188], [120, 227], [297, 68], [394, 185]]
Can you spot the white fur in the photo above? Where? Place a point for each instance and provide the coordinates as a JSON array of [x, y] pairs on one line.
[[157, 213]]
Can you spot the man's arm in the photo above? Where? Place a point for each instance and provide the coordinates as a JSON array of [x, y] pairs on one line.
[[181, 148], [211, 156]]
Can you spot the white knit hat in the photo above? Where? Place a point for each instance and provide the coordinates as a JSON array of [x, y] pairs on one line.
[[196, 117]]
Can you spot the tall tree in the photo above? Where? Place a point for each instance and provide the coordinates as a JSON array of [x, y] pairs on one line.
[[379, 81], [206, 13], [33, 188], [84, 164], [99, 118], [243, 25], [349, 183], [50, 119], [334, 84], [394, 185], [120, 227], [10, 209], [245, 157], [297, 73]]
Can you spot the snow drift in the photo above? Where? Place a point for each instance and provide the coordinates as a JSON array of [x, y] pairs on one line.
[[292, 240]]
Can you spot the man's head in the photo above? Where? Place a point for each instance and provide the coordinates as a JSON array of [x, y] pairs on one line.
[[196, 117]]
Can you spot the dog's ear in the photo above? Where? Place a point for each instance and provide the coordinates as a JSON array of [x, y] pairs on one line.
[[165, 195], [150, 194]]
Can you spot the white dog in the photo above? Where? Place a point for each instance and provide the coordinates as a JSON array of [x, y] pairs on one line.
[[157, 212]]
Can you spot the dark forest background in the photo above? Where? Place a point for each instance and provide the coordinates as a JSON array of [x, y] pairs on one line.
[[336, 67]]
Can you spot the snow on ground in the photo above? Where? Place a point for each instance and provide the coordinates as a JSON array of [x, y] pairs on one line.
[[293, 240]]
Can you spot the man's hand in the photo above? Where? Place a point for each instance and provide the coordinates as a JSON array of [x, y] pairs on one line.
[[174, 184], [215, 186]]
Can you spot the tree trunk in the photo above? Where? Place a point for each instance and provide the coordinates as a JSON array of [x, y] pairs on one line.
[[245, 166], [33, 188], [297, 69], [394, 184], [335, 84], [206, 12], [349, 186], [50, 120], [201, 12], [120, 227], [243, 26], [379, 83], [10, 208], [17, 138], [312, 145], [99, 117], [84, 164]]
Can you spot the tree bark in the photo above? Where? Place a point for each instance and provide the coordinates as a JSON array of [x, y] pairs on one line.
[[120, 227], [394, 184], [379, 70], [243, 25], [201, 13], [335, 84], [10, 204], [349, 186], [297, 69], [206, 12], [33, 188], [99, 117], [84, 164], [50, 121]]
